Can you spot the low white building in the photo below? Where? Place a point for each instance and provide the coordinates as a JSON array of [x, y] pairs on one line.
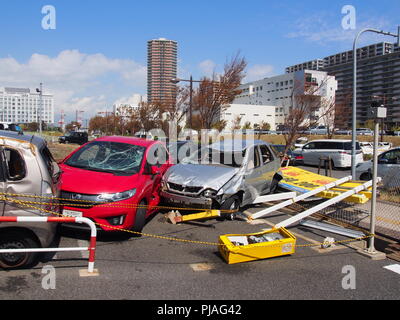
[[20, 105], [125, 106], [279, 91], [254, 114]]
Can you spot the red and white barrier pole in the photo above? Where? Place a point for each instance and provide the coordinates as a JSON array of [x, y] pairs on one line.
[[90, 223]]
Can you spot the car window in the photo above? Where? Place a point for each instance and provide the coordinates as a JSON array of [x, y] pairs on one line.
[[393, 156], [15, 165], [254, 158], [266, 155], [309, 146], [105, 156]]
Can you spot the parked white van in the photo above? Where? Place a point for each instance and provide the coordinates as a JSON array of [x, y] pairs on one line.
[[339, 152]]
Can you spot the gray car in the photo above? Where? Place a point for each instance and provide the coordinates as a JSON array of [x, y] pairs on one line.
[[225, 175], [26, 167]]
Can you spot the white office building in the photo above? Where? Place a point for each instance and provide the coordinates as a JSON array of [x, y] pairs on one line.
[[279, 91], [253, 114], [20, 105], [125, 106]]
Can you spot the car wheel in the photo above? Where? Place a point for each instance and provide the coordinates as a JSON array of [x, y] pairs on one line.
[[233, 203], [274, 186], [366, 176], [17, 240], [140, 218]]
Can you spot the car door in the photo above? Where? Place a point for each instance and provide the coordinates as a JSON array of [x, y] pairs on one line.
[[308, 153], [2, 181], [157, 156], [389, 163], [253, 175], [269, 166]]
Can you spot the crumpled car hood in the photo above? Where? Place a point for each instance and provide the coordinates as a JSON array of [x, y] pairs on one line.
[[197, 175]]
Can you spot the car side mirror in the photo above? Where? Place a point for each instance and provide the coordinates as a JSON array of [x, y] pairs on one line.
[[383, 161]]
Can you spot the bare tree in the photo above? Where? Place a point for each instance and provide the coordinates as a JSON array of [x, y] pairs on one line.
[[236, 123], [213, 95], [307, 108], [148, 115]]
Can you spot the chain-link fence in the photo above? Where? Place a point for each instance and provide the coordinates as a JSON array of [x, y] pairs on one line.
[[358, 216]]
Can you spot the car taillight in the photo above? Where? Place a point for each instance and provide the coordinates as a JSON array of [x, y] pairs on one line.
[[299, 158], [344, 152]]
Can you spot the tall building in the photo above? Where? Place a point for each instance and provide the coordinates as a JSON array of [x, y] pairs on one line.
[[20, 105], [278, 91], [378, 75], [161, 68]]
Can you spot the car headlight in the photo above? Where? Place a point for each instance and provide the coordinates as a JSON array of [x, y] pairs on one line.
[[164, 186], [110, 197], [209, 193]]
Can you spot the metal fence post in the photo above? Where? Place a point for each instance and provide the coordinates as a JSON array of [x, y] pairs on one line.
[[371, 248]]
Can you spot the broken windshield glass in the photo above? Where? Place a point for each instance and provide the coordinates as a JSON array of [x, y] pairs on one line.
[[105, 156]]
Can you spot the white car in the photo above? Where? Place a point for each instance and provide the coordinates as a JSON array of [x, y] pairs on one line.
[[368, 147], [300, 142], [320, 130], [364, 132], [339, 151], [388, 168]]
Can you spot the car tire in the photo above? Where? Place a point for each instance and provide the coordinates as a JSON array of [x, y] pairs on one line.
[[233, 203], [366, 176], [17, 240], [274, 186], [140, 218]]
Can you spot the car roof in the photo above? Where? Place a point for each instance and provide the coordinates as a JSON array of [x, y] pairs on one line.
[[235, 145], [331, 140], [36, 140], [129, 140]]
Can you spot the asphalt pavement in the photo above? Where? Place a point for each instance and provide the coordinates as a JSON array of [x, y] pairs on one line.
[[148, 268]]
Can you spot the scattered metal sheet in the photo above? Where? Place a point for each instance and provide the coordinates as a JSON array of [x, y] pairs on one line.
[[333, 229]]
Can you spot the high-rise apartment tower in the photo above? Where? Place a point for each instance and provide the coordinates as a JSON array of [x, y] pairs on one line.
[[161, 68]]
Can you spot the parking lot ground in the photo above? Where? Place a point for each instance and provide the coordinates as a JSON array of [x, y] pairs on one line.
[[147, 268], [156, 269]]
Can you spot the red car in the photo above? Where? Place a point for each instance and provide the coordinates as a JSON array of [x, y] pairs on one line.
[[122, 172]]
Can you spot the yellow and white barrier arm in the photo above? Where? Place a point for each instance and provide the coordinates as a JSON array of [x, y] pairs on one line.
[[323, 205], [303, 196]]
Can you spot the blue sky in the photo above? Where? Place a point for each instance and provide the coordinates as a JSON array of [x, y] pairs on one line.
[[97, 53]]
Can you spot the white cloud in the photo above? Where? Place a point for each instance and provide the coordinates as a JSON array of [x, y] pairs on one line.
[[323, 29], [134, 99], [207, 67], [77, 80], [258, 72]]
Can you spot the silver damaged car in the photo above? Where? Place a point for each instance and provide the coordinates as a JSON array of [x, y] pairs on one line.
[[225, 175]]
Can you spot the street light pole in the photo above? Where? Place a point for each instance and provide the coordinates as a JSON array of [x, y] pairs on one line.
[[175, 81], [39, 111], [354, 109], [191, 103]]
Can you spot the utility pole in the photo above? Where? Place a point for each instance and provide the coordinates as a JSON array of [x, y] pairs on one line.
[[377, 112], [354, 109], [39, 112]]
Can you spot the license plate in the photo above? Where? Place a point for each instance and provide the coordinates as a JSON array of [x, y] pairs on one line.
[[72, 214]]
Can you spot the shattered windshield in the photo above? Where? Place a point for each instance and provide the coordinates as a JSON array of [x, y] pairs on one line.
[[105, 156]]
